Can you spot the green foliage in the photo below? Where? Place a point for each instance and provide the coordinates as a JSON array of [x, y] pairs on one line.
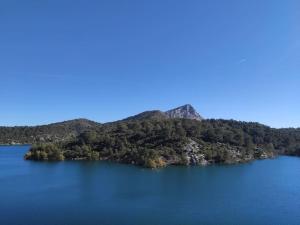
[[55, 132], [153, 142], [49, 152]]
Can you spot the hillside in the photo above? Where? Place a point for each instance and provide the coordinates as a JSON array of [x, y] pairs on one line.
[[160, 142], [154, 114], [154, 139], [45, 133]]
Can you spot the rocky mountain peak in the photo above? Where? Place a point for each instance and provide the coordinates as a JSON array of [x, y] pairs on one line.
[[186, 111]]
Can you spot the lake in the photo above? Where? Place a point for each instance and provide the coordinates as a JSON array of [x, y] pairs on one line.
[[88, 193]]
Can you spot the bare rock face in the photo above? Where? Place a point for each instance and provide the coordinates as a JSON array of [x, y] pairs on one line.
[[185, 111], [193, 154]]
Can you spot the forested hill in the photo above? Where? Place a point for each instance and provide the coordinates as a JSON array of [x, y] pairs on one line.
[[155, 139], [157, 142], [67, 130], [46, 133]]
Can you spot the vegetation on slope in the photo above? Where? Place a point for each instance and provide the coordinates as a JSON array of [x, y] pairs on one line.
[[156, 142], [46, 133]]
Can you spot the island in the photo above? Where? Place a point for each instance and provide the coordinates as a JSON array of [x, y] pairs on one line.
[[157, 139]]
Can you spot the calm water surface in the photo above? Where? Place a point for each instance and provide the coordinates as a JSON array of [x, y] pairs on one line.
[[73, 193]]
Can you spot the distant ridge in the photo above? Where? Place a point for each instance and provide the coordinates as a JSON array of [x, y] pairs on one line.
[[155, 139], [154, 114], [46, 133], [66, 130], [186, 112], [183, 112]]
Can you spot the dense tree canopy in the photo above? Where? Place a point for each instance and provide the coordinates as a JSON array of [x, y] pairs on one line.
[[155, 142], [45, 133]]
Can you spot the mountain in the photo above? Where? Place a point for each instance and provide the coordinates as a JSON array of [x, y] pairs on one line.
[[151, 141], [154, 114], [155, 139], [185, 112], [68, 129], [46, 133], [172, 141]]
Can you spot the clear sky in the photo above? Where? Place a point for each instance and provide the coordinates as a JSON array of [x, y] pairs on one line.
[[106, 60]]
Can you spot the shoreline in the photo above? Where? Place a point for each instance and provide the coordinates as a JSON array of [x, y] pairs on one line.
[[10, 145], [231, 163]]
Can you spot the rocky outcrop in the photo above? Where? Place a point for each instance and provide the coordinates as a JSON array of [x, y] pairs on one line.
[[185, 111], [193, 155]]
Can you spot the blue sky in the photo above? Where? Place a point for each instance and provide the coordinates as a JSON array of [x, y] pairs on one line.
[[106, 60]]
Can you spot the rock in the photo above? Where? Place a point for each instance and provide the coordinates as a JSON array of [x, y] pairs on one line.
[[185, 111], [193, 154]]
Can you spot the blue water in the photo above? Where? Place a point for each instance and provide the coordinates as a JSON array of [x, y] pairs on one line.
[[73, 193]]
